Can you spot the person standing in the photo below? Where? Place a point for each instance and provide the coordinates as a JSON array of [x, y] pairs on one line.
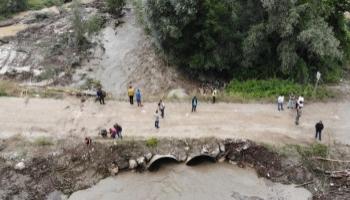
[[299, 112], [194, 104], [101, 95], [300, 102], [161, 107], [138, 98], [119, 131], [319, 127], [156, 117], [280, 102], [214, 94], [291, 102], [131, 93]]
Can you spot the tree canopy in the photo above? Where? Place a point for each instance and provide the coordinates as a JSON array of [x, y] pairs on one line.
[[253, 38]]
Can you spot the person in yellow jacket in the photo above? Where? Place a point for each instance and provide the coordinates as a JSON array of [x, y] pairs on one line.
[[131, 92]]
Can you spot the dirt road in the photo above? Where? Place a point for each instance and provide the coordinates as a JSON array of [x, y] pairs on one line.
[[259, 122]]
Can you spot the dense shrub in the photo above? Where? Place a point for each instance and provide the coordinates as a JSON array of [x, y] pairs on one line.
[[115, 7], [39, 4], [246, 39], [8, 7], [152, 142], [94, 24]]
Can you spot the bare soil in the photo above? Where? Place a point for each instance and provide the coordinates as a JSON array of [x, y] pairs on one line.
[[258, 122], [69, 165]]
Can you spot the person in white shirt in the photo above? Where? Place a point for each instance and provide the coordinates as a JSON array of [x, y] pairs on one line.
[[301, 102], [280, 102], [299, 106], [156, 118]]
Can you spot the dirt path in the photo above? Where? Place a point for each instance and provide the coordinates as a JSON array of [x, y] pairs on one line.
[[259, 122]]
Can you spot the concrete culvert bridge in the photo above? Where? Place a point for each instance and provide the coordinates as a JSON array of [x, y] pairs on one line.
[[201, 158], [158, 160]]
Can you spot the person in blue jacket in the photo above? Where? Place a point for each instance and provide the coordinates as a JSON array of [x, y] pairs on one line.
[[138, 98]]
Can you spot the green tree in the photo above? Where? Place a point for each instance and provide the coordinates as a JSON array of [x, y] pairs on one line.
[[252, 38], [11, 6], [115, 7]]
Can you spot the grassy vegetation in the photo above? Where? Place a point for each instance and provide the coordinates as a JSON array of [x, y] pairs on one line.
[[94, 24], [115, 7], [270, 89], [40, 4], [8, 88], [10, 7], [43, 141], [300, 151], [152, 142]]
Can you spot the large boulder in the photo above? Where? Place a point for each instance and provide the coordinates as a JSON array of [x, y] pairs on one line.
[[20, 166], [148, 156], [132, 164], [178, 93]]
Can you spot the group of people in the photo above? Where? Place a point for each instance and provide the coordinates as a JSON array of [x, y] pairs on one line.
[[298, 105], [159, 113], [115, 132], [101, 95], [131, 94], [292, 103]]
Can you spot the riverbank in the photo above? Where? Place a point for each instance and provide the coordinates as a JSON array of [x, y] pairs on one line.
[[34, 169]]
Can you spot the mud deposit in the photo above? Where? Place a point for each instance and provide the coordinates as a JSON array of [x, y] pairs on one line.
[[205, 182], [49, 169]]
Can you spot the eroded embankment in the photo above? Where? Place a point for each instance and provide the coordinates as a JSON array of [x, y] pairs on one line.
[[34, 171]]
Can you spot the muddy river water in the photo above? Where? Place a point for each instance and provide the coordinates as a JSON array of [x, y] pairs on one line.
[[203, 182]]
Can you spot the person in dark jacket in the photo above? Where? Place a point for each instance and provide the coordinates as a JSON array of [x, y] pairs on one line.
[[119, 131], [101, 95], [319, 127], [194, 104], [88, 141], [161, 108]]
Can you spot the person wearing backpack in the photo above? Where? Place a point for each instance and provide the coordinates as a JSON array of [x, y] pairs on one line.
[[101, 95]]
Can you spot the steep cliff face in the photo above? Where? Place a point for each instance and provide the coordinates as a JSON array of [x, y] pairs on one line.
[[125, 54], [40, 45], [36, 47]]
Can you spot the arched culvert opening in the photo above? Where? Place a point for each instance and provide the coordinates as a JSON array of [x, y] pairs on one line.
[[159, 160], [196, 160]]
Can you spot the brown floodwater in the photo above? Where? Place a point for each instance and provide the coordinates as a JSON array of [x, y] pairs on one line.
[[204, 182]]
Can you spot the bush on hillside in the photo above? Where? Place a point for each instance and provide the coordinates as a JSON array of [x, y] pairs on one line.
[[115, 7], [94, 24], [8, 7]]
